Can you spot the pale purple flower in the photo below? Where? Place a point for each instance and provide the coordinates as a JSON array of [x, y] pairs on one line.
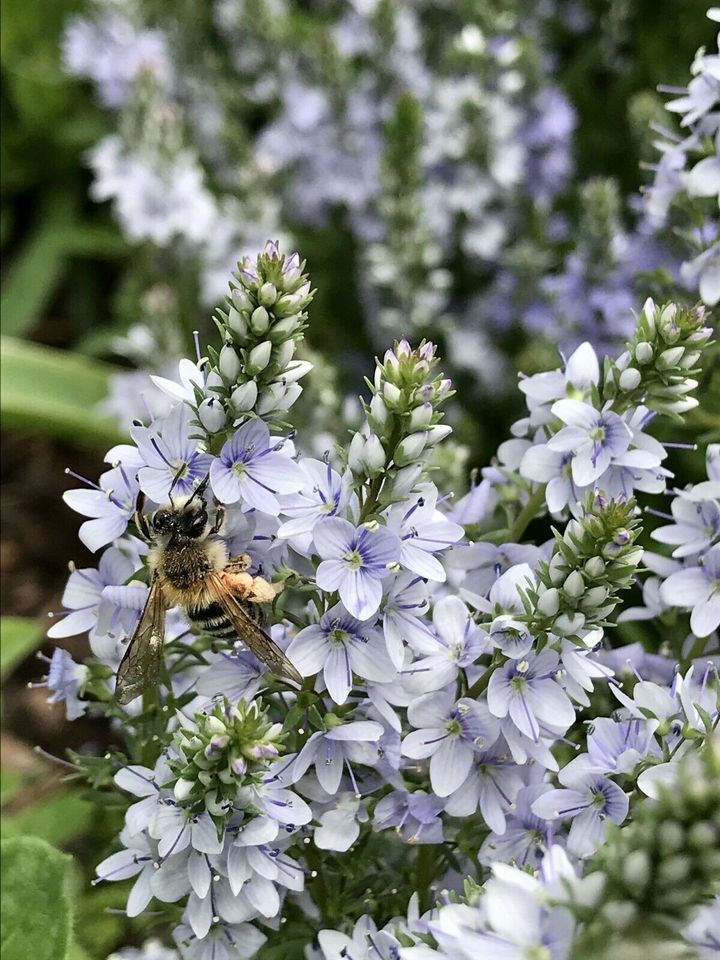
[[237, 676], [696, 525], [324, 493], [146, 784], [698, 588], [174, 462], [492, 785], [456, 643], [65, 679], [450, 732], [251, 468], [416, 816], [594, 438], [618, 747], [354, 562], [224, 941], [341, 645], [588, 800], [139, 858], [406, 604], [477, 566], [541, 464], [176, 827], [423, 531], [332, 749], [111, 504], [339, 824], [527, 691], [704, 930], [366, 943], [580, 374], [525, 837]]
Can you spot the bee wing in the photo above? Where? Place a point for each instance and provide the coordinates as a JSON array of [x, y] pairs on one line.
[[250, 633], [140, 667]]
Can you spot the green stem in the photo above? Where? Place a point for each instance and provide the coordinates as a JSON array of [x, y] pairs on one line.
[[527, 514], [481, 683], [425, 872]]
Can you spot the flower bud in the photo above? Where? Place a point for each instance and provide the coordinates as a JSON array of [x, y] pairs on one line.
[[548, 603], [421, 416], [285, 327], [229, 363], [574, 585], [183, 789], [392, 394], [237, 323], [259, 357], [373, 455], [669, 358], [643, 352], [595, 567], [355, 455], [437, 434], [211, 414], [267, 294], [410, 449], [404, 481], [243, 398], [378, 412], [259, 320], [630, 379], [568, 624], [284, 353], [296, 370]]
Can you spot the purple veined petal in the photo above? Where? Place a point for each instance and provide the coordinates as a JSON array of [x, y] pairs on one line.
[[263, 864], [585, 470], [139, 815], [637, 460], [171, 881], [379, 547], [257, 496], [205, 836], [337, 831], [423, 743], [140, 781], [256, 831], [450, 765], [306, 756], [558, 494], [330, 574], [199, 914], [360, 593], [543, 387], [333, 537], [550, 703], [364, 730], [523, 717], [287, 807], [431, 709], [141, 893], [98, 533], [560, 804], [225, 483], [338, 673], [278, 472], [499, 693], [200, 875], [662, 776], [119, 866], [450, 619], [575, 413], [491, 807], [238, 869], [706, 616], [329, 766], [540, 463], [263, 896], [155, 482], [83, 589], [309, 650], [567, 440], [685, 588], [335, 944], [369, 659], [130, 597], [421, 562], [586, 833]]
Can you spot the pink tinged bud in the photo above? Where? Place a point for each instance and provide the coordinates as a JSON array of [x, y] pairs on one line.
[[390, 360], [212, 415], [217, 745], [427, 351], [271, 250], [229, 364], [402, 349], [238, 766]]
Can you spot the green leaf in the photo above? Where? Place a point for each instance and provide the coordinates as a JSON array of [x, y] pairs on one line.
[[56, 820], [19, 636], [50, 391], [36, 915]]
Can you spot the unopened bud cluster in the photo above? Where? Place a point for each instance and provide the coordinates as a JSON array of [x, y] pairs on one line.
[[266, 317], [656, 869], [593, 558], [223, 751], [403, 415], [659, 367]]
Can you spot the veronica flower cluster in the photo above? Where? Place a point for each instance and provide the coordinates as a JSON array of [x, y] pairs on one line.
[[447, 679]]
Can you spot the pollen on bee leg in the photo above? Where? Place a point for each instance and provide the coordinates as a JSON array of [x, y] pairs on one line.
[[241, 583]]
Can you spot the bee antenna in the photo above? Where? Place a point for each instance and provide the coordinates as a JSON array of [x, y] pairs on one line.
[[201, 487]]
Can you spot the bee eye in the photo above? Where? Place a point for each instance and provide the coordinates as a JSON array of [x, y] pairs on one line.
[[161, 521]]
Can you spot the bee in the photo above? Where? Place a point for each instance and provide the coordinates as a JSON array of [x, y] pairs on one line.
[[190, 567]]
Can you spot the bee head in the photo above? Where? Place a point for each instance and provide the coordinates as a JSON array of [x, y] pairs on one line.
[[185, 519]]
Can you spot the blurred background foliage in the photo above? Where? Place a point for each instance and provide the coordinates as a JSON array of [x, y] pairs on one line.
[[71, 284]]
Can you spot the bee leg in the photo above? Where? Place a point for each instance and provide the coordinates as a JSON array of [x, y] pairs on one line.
[[238, 564], [141, 521], [219, 518]]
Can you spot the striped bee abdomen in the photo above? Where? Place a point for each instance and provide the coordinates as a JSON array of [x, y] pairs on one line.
[[213, 620]]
